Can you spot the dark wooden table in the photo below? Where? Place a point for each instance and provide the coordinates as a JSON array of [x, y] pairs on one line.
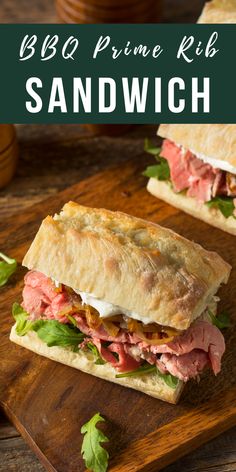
[[54, 157]]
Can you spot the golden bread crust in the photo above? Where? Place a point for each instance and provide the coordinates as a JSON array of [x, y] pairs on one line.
[[132, 263]]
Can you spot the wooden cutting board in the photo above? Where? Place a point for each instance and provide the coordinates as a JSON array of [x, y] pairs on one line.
[[49, 402]]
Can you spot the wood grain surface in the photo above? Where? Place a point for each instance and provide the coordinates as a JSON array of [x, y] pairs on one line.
[[35, 392]]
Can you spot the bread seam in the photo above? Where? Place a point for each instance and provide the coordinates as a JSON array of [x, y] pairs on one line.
[[150, 384]]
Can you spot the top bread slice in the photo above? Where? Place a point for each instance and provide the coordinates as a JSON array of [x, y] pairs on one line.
[[129, 262], [217, 141], [219, 11]]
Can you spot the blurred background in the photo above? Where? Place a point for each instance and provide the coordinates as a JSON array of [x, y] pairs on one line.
[[44, 11]]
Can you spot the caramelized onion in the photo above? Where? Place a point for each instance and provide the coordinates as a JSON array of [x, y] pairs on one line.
[[58, 289], [111, 328], [70, 309], [92, 317], [115, 318], [154, 341], [69, 290], [140, 329], [65, 311], [133, 325], [150, 333], [171, 332], [152, 328]]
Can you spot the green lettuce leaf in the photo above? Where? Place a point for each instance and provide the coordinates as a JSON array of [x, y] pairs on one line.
[[7, 268], [224, 204], [148, 147], [72, 320], [94, 455], [23, 325], [143, 370], [94, 350], [161, 170], [169, 379], [51, 332], [54, 333], [221, 321]]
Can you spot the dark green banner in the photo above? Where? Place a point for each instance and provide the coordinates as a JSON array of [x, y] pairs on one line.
[[118, 73]]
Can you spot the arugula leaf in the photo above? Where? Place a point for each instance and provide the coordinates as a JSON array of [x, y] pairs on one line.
[[94, 455], [169, 379], [72, 320], [148, 147], [143, 370], [151, 171], [54, 333], [161, 170], [94, 350], [221, 321], [224, 204], [23, 325], [7, 268], [51, 332]]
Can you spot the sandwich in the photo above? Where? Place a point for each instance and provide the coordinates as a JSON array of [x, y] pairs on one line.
[[218, 11], [123, 299], [200, 172], [196, 165]]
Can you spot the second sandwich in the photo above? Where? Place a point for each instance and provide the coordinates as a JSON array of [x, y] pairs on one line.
[[200, 172]]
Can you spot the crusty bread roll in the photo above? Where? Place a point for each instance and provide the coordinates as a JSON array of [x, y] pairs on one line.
[[151, 384], [129, 262], [212, 216], [219, 11]]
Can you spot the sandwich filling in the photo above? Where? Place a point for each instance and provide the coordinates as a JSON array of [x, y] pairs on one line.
[[199, 178], [116, 338]]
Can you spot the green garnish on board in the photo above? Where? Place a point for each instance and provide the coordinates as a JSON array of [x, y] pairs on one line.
[[7, 268], [94, 455]]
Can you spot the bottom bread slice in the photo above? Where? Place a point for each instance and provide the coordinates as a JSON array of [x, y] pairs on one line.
[[212, 216], [151, 384]]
